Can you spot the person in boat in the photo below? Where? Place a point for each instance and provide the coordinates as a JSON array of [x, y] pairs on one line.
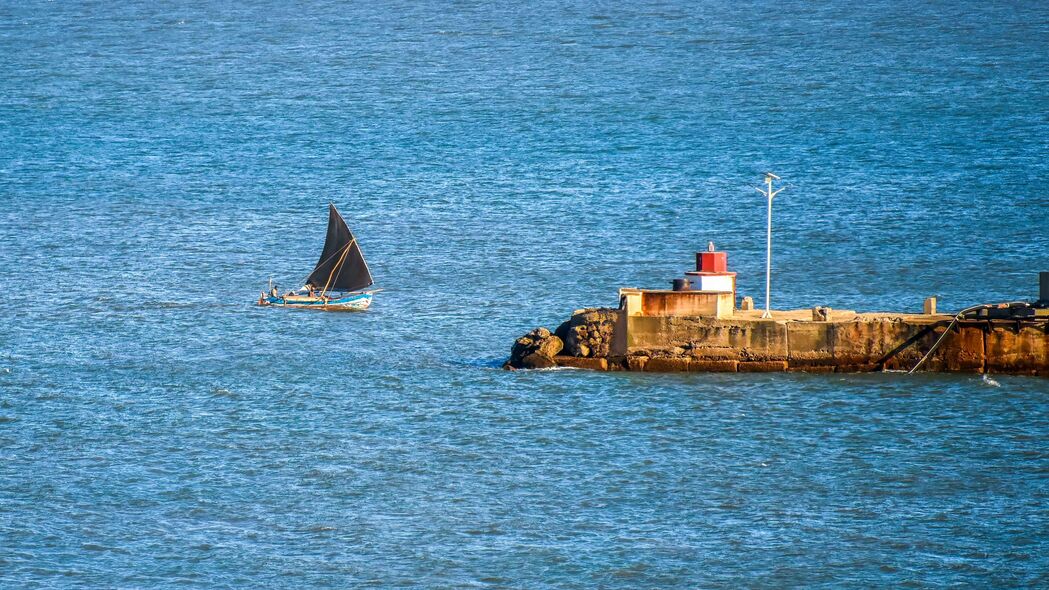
[[274, 292], [311, 290]]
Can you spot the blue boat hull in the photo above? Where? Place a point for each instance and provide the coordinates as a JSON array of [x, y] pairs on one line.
[[347, 302]]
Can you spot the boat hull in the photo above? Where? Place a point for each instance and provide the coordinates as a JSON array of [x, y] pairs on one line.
[[347, 302]]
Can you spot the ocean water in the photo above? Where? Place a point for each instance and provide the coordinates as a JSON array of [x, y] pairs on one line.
[[502, 165]]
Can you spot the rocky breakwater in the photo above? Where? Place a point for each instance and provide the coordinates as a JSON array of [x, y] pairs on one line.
[[584, 341]]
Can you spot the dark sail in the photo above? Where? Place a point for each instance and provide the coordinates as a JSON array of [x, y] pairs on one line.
[[342, 266]]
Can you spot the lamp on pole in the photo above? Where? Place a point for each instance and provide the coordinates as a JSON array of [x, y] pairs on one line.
[[769, 194]]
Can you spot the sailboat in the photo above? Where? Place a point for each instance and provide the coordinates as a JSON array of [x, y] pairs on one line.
[[338, 281]]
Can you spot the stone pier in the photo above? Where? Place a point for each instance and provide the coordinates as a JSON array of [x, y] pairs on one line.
[[624, 339]]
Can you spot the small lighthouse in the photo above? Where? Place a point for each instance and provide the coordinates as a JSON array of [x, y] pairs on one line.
[[709, 291], [712, 272]]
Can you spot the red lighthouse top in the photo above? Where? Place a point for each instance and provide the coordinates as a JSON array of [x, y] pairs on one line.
[[711, 260]]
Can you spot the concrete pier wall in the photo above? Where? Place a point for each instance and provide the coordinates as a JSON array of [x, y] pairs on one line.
[[850, 346]]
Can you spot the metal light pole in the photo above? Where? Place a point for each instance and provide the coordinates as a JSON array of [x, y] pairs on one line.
[[769, 194]]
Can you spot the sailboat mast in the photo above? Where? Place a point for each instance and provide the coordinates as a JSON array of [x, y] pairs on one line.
[[337, 267]]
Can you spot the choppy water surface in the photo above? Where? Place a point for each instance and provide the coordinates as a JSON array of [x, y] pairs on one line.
[[503, 165]]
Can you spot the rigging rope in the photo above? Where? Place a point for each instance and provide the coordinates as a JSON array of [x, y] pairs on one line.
[[337, 266]]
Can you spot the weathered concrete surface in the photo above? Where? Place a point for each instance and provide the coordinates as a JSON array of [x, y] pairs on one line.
[[1017, 350], [847, 342], [889, 343], [762, 366], [667, 364], [812, 369], [710, 338], [636, 363], [686, 303], [704, 366], [577, 362]]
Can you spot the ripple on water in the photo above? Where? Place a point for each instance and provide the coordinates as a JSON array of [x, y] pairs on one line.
[[502, 167]]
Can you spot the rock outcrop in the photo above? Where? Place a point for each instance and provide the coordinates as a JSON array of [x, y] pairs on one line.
[[535, 350], [589, 332]]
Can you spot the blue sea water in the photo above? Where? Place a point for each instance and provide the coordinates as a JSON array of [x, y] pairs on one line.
[[504, 164]]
